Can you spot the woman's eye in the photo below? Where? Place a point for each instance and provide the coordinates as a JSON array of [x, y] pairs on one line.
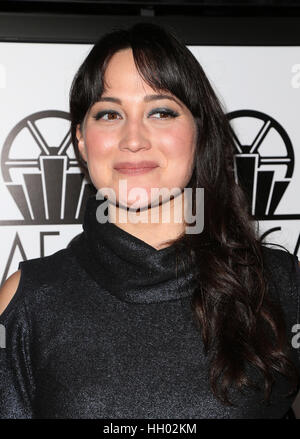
[[166, 114], [111, 115], [100, 115]]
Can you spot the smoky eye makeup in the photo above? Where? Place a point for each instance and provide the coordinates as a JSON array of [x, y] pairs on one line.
[[162, 110], [166, 111], [102, 113]]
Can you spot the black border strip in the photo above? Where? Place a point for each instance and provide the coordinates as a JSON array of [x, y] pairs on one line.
[[193, 30]]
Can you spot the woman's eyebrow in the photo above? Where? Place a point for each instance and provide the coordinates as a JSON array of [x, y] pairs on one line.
[[147, 98]]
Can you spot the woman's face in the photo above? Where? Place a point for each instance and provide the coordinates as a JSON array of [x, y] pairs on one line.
[[129, 124]]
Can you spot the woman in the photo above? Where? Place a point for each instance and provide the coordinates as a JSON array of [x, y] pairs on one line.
[[138, 318]]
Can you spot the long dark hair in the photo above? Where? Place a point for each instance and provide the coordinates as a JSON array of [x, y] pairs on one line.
[[239, 323]]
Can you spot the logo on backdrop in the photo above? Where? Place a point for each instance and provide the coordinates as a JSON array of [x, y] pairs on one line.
[[43, 178], [264, 163]]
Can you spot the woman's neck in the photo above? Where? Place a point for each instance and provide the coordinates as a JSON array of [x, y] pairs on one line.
[[156, 225]]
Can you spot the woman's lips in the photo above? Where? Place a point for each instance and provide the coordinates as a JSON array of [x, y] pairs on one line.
[[135, 168], [135, 171]]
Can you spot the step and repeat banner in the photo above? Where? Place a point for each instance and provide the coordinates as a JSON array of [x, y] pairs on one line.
[[43, 193]]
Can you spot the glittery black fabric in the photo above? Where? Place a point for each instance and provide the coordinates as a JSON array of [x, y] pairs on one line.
[[104, 329]]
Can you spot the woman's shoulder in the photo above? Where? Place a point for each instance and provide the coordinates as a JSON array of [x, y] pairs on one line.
[[281, 263], [283, 272], [8, 290], [35, 276]]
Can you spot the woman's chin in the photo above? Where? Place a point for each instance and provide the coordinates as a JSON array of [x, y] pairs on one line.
[[134, 205]]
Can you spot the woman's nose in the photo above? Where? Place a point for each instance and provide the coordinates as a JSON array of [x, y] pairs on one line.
[[134, 136]]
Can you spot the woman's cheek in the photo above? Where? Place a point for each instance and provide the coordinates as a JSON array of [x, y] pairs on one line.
[[98, 144], [178, 145]]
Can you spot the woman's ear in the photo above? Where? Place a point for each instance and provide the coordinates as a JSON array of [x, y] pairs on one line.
[[81, 145]]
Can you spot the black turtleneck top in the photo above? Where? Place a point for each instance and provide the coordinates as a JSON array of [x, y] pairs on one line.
[[104, 329]]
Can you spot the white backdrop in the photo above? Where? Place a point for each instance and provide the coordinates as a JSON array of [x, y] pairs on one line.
[[258, 86]]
